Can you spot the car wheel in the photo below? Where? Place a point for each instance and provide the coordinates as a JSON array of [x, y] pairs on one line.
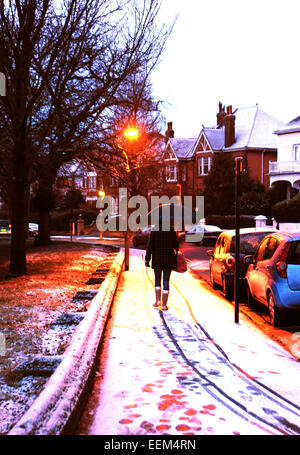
[[251, 301], [274, 312], [212, 281], [227, 290]]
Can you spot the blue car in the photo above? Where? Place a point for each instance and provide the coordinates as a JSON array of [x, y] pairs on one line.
[[273, 275]]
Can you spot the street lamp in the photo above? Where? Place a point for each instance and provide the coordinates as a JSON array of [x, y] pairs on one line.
[[101, 194], [131, 134]]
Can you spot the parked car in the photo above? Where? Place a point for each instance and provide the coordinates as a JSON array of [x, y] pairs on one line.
[[210, 234], [273, 276], [5, 227], [33, 229], [222, 258], [141, 238]]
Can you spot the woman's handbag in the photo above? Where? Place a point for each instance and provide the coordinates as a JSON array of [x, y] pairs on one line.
[[181, 263]]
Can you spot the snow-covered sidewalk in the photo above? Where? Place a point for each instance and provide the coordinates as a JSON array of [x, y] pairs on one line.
[[143, 386]]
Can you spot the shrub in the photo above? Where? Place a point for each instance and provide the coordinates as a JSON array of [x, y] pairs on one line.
[[60, 221], [228, 221], [287, 211], [254, 203]]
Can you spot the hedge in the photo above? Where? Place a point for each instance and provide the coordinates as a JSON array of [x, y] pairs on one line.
[[228, 221], [61, 221], [287, 211]]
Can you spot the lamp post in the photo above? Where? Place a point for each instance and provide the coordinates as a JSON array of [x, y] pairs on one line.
[[101, 194], [238, 171], [131, 134]]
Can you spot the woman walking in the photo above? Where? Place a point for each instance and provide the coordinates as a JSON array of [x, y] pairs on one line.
[[162, 248]]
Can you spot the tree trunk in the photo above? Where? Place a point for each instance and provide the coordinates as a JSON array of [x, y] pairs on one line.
[[44, 203], [18, 196], [43, 237], [19, 228]]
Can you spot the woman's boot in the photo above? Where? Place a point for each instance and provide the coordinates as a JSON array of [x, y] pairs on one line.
[[157, 298], [165, 296]]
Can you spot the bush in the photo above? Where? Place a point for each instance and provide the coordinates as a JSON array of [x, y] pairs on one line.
[[228, 221], [287, 211], [60, 221], [254, 203]]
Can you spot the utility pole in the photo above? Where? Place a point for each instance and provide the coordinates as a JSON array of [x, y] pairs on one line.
[[238, 170]]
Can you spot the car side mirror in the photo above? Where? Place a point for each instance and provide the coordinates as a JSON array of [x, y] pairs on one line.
[[210, 253], [248, 260]]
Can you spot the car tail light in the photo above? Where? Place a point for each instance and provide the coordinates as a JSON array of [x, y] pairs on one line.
[[230, 262], [281, 265]]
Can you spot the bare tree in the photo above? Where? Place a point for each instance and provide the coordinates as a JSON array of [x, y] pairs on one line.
[[67, 66]]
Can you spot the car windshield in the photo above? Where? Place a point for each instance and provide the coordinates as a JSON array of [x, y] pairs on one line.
[[4, 223], [249, 242], [294, 254]]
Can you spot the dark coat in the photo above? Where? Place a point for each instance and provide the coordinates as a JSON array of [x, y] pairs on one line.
[[161, 247]]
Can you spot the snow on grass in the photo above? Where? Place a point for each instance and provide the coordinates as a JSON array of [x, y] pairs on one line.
[[29, 305]]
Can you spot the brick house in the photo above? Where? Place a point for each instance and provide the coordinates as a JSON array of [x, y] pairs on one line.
[[246, 132], [89, 182], [179, 164]]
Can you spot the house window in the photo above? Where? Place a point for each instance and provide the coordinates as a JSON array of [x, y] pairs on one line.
[[296, 152], [171, 173], [183, 173], [78, 182], [92, 183], [204, 165], [113, 181]]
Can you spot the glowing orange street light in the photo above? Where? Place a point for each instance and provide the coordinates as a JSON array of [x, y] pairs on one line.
[[101, 193], [131, 133]]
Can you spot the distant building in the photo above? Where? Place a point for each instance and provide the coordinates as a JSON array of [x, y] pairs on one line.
[[244, 132], [287, 167]]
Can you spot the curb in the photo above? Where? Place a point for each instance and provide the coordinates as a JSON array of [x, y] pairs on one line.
[[52, 409]]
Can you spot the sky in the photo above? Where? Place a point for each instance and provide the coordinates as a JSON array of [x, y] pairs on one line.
[[239, 52]]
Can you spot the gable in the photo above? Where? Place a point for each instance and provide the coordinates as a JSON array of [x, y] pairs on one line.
[[169, 154], [202, 144]]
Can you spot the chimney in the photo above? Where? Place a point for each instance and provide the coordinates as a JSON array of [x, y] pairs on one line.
[[220, 116], [170, 132], [229, 122]]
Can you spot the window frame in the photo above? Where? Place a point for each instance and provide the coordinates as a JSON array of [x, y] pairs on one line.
[[202, 165], [296, 152], [172, 167]]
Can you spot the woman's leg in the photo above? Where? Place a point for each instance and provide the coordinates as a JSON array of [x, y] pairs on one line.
[[166, 288], [157, 274]]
